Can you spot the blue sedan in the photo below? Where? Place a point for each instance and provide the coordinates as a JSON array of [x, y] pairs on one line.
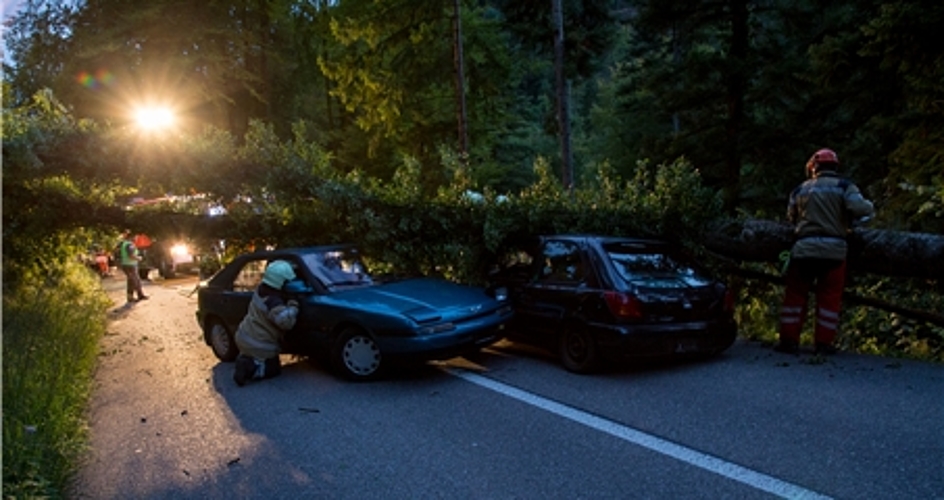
[[357, 323]]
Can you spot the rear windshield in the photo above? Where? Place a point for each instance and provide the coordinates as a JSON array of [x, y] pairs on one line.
[[649, 267]]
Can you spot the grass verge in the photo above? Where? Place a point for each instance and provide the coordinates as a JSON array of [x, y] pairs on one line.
[[51, 331]]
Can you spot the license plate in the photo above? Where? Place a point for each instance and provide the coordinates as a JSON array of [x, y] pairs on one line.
[[684, 346]]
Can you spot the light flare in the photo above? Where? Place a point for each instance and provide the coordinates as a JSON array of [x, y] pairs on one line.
[[101, 78], [154, 118]]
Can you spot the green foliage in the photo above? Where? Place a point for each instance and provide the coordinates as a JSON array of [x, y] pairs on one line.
[[904, 40], [744, 92], [588, 30], [48, 195], [52, 322], [758, 309], [36, 42], [392, 68], [874, 331]]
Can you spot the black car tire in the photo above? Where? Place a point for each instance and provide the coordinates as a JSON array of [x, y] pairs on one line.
[[578, 350], [718, 350], [221, 340], [356, 356], [167, 270]]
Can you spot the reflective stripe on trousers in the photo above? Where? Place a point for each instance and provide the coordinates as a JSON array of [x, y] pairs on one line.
[[826, 282]]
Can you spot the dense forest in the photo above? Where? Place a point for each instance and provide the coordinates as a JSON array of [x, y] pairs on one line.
[[744, 90], [429, 131], [409, 121]]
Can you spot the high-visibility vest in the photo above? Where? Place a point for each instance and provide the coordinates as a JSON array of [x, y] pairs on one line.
[[127, 257]]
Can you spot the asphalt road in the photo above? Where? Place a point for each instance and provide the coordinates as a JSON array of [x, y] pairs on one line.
[[167, 421]]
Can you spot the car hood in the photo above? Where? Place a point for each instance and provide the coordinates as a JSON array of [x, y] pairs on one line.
[[422, 300]]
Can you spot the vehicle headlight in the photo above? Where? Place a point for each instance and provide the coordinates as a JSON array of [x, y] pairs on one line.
[[501, 293], [179, 250], [440, 328]]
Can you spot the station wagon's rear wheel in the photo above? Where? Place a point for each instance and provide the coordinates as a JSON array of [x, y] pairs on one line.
[[221, 340], [356, 356], [166, 270], [578, 351]]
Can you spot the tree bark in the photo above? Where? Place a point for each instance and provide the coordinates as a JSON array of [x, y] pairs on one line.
[[736, 83], [563, 98], [460, 83], [874, 251]]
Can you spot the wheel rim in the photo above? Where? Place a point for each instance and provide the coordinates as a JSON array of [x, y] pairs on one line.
[[220, 339], [361, 355], [576, 347]]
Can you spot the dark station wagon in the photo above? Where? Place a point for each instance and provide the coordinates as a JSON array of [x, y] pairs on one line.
[[596, 299], [356, 322]]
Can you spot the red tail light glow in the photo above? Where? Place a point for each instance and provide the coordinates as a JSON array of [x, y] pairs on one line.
[[623, 305], [729, 300]]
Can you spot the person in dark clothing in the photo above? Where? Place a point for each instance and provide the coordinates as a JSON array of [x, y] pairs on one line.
[[822, 210]]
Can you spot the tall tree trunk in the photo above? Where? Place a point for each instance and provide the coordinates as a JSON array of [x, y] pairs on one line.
[[460, 84], [563, 98], [736, 87]]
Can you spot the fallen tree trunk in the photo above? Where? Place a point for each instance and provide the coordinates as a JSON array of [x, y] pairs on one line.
[[873, 251]]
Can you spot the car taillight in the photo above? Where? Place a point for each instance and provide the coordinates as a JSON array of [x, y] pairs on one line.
[[729, 300], [623, 305]]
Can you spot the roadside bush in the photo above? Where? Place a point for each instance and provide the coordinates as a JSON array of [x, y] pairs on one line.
[[884, 333], [52, 322]]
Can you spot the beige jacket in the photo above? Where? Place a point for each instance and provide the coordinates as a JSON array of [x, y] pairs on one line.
[[823, 210], [260, 333]]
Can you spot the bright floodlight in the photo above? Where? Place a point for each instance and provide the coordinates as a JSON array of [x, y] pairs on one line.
[[154, 118]]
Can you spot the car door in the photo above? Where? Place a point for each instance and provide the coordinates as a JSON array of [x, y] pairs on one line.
[[234, 300], [309, 333], [555, 294]]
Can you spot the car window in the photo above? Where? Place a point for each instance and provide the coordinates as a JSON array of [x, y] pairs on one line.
[[249, 276], [655, 268], [562, 263], [516, 258], [339, 267]]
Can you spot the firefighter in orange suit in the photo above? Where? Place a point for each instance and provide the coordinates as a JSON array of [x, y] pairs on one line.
[[822, 210]]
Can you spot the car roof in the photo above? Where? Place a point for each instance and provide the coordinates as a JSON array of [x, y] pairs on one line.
[[297, 250], [229, 270], [603, 239]]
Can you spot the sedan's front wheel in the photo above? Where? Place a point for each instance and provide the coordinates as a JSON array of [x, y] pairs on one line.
[[578, 351], [356, 356]]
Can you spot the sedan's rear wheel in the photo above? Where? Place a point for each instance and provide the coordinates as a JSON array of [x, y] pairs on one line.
[[356, 355], [578, 351], [221, 341]]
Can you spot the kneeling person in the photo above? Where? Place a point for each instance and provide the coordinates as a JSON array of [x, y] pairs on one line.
[[260, 333]]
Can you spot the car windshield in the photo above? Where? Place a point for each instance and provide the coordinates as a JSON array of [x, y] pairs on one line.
[[654, 269], [338, 268]]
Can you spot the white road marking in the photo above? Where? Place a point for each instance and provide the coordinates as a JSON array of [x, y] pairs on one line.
[[701, 460]]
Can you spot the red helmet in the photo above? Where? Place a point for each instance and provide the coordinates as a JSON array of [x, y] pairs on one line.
[[825, 156], [822, 156]]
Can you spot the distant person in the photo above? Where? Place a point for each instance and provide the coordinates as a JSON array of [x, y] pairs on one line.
[[822, 210], [128, 259], [101, 262], [259, 336]]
